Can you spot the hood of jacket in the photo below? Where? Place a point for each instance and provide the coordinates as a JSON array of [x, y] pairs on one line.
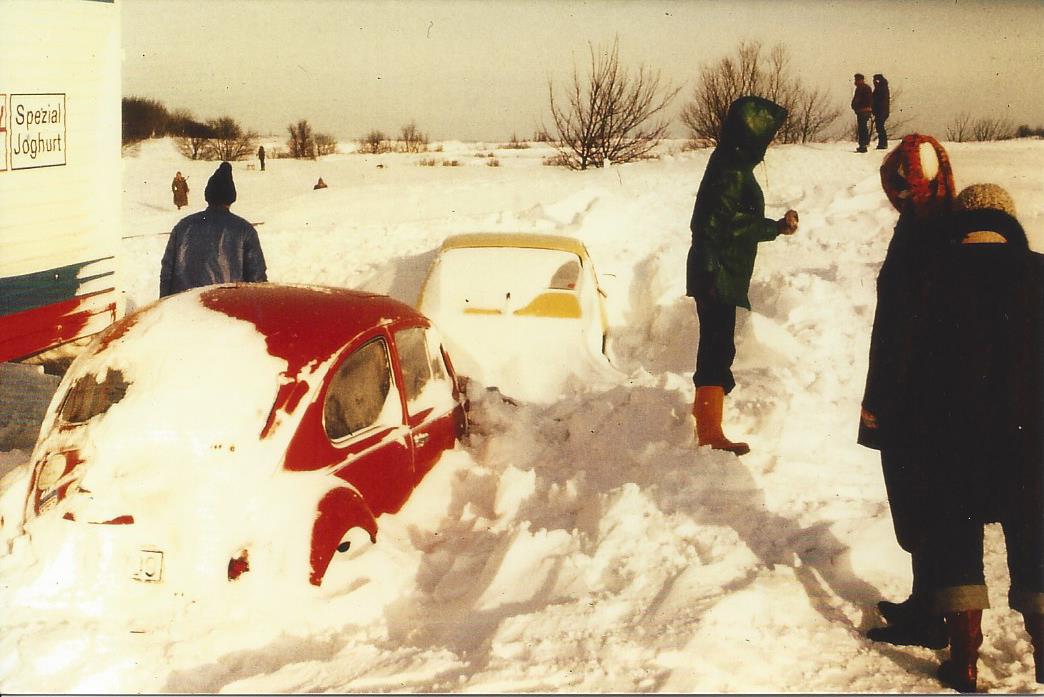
[[749, 127]]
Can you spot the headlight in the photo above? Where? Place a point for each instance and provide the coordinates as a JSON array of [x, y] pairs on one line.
[[50, 472]]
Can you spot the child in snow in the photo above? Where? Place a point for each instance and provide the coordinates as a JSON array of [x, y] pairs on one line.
[[917, 179], [979, 403], [728, 222]]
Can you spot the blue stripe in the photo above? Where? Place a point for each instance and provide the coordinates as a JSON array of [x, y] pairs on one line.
[[40, 288]]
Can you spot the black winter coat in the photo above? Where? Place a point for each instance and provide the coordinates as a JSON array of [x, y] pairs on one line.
[[212, 246], [977, 386], [902, 296], [881, 99]]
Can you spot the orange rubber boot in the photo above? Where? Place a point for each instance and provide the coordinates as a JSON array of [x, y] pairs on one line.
[[961, 670], [707, 409]]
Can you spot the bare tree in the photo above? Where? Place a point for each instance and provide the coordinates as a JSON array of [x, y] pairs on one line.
[[374, 142], [194, 140], [302, 140], [751, 72], [611, 117], [411, 139], [988, 128], [228, 140], [325, 144]]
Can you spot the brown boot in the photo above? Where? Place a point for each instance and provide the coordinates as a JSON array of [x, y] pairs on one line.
[[1035, 626], [707, 408], [961, 670]]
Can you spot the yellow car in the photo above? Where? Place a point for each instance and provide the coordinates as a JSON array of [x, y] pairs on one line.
[[522, 312]]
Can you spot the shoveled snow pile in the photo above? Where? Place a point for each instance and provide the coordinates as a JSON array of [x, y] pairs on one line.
[[583, 543]]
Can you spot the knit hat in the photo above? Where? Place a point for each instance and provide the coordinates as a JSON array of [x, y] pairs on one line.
[[990, 196], [986, 213], [908, 179], [221, 190]]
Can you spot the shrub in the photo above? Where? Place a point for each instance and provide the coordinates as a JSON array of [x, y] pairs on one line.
[[493, 163], [374, 143], [411, 139], [302, 140], [325, 144]]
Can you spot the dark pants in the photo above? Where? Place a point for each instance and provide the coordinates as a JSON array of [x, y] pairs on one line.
[[882, 134], [863, 130], [717, 343]]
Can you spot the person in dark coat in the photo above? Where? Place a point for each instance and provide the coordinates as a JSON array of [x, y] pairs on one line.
[[862, 105], [728, 222], [917, 178], [978, 400], [880, 106], [261, 156], [214, 245], [180, 188]]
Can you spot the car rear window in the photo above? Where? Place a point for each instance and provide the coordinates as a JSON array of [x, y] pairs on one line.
[[89, 396], [360, 393]]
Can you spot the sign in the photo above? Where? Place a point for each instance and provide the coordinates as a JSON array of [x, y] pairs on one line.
[[37, 130]]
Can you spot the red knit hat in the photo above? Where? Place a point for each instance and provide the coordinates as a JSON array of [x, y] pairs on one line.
[[906, 184]]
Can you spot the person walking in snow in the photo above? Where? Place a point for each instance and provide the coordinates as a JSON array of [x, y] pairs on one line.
[[261, 156], [917, 178], [880, 105], [978, 401], [862, 105], [728, 222], [214, 245], [180, 188]]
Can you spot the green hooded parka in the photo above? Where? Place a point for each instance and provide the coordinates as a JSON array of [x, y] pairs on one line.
[[729, 220]]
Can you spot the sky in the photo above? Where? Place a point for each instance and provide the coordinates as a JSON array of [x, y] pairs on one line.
[[476, 70]]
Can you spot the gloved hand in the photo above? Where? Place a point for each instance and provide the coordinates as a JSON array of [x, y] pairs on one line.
[[788, 224]]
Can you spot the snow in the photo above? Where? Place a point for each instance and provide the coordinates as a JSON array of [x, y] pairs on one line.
[[581, 544]]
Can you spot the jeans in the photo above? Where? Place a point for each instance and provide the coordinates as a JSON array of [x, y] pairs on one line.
[[882, 135], [863, 129]]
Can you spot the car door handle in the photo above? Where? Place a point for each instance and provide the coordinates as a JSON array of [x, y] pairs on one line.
[[420, 438]]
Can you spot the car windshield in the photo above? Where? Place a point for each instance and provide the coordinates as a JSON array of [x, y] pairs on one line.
[[500, 279], [90, 396]]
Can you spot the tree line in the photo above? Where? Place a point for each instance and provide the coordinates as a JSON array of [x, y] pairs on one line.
[[606, 114]]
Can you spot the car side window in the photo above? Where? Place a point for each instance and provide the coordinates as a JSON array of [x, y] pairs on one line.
[[362, 393], [422, 365]]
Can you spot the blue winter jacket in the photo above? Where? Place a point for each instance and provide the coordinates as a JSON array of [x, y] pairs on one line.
[[212, 246]]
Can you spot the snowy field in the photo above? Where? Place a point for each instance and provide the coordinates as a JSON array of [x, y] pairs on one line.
[[585, 545]]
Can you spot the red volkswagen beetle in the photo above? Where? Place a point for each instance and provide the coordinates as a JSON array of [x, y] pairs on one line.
[[238, 430]]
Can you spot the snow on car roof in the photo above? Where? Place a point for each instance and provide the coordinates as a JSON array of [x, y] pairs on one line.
[[517, 239]]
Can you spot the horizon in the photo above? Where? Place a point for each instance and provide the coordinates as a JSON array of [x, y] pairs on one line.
[[463, 70]]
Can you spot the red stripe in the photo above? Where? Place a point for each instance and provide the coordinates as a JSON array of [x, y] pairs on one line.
[[25, 333]]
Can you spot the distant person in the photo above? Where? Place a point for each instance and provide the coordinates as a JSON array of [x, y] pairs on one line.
[[863, 106], [880, 110], [727, 224], [214, 245], [979, 402], [917, 178], [319, 184], [261, 156], [180, 188]]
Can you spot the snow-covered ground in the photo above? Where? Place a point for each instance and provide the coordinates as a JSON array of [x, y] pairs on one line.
[[585, 545]]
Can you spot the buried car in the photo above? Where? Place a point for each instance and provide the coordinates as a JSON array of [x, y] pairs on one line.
[[519, 311], [238, 429]]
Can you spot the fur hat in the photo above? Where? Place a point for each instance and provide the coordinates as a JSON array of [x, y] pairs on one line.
[[221, 190], [985, 213], [990, 196], [860, 76], [914, 179]]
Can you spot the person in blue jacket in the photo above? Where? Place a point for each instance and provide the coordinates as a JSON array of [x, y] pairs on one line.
[[214, 245]]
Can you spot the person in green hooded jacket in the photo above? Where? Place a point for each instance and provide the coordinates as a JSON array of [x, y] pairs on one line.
[[728, 222]]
